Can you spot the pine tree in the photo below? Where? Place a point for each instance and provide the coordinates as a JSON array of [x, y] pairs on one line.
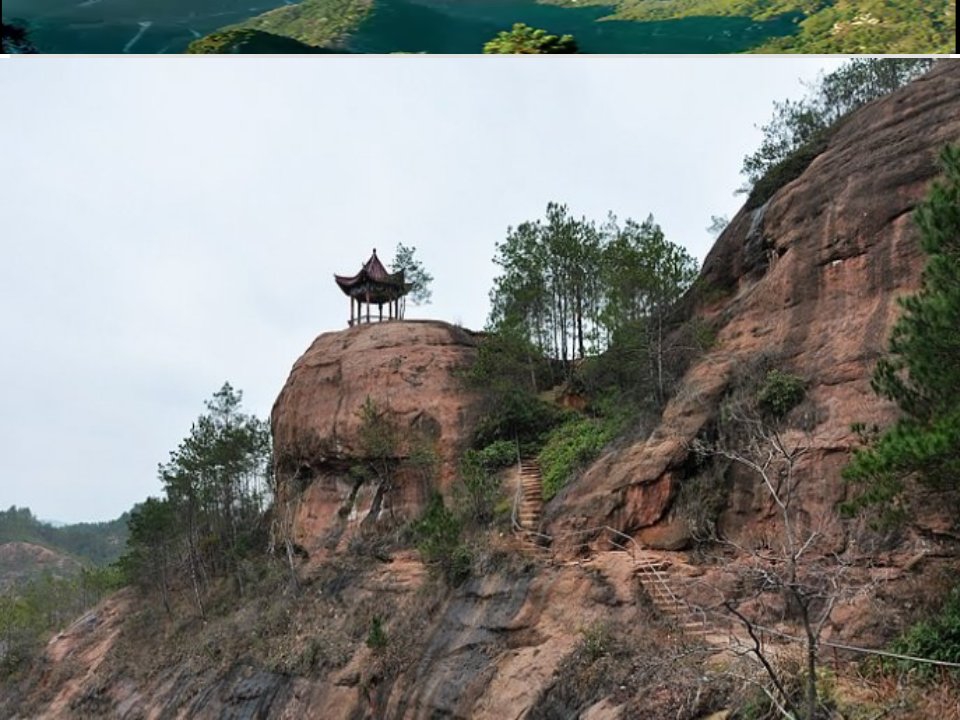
[[922, 372]]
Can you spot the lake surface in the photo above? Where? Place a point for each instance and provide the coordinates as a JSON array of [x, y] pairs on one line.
[[432, 26], [136, 26], [463, 26]]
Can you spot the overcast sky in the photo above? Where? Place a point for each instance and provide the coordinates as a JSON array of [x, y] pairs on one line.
[[172, 223]]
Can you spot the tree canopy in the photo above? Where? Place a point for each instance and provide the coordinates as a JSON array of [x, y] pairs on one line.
[[798, 131], [404, 258], [525, 40], [568, 285], [14, 38], [216, 488], [921, 373]]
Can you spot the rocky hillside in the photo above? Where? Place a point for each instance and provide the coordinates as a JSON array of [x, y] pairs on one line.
[[806, 283], [573, 628], [22, 561]]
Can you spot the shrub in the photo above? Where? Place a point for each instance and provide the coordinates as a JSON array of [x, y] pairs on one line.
[[518, 416], [498, 454], [478, 489], [597, 641], [785, 171], [377, 637], [937, 638], [780, 393], [526, 40], [569, 447], [438, 539]]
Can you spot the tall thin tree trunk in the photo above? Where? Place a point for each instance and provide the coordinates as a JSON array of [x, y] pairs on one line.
[[580, 321]]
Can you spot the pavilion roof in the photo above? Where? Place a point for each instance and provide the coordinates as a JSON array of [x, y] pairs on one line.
[[374, 278]]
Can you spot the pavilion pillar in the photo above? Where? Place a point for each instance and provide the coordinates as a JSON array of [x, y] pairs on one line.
[[368, 306], [351, 309]]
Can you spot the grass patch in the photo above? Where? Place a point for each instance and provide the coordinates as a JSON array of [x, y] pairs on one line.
[[571, 446]]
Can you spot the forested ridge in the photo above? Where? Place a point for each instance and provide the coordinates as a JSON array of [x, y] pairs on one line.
[[823, 26], [98, 543]]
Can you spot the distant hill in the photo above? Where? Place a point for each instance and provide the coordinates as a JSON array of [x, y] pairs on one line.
[[24, 561], [839, 26], [88, 543], [250, 41], [316, 24]]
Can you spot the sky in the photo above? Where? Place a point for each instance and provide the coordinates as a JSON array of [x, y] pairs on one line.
[[173, 223]]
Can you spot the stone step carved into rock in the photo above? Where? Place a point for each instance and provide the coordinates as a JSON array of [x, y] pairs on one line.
[[531, 495]]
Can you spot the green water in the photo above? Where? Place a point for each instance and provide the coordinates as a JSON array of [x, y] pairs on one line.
[[110, 26], [432, 26], [463, 26]]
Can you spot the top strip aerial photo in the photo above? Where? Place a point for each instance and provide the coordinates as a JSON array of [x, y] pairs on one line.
[[480, 26]]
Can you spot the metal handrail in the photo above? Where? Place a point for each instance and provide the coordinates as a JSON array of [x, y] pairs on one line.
[[518, 495], [634, 546]]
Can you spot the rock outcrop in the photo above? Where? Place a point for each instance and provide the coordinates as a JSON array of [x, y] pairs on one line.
[[410, 371], [809, 281]]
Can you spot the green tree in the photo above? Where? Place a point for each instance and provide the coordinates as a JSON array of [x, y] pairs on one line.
[[550, 289], [798, 130], [479, 486], [404, 258], [14, 38], [523, 39], [379, 440], [644, 276], [216, 486], [438, 534], [921, 373], [148, 562]]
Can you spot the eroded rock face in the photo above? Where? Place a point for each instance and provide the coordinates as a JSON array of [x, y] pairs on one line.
[[810, 279], [410, 371]]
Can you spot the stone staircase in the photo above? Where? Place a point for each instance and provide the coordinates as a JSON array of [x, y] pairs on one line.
[[531, 495]]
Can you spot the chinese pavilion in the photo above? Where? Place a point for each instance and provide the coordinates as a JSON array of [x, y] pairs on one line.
[[373, 285]]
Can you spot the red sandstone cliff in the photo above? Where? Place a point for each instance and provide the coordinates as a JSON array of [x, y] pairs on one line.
[[810, 279], [410, 370]]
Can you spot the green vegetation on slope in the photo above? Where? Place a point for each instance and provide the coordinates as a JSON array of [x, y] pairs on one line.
[[525, 40], [828, 26], [591, 311], [249, 41], [920, 373], [320, 23], [28, 613], [936, 636], [800, 129], [211, 518], [97, 543], [867, 26]]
